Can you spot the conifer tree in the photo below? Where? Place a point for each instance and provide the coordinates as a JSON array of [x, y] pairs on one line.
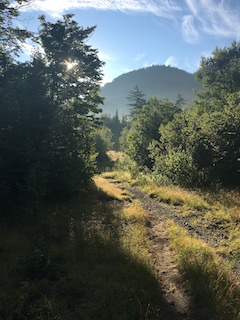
[[136, 100]]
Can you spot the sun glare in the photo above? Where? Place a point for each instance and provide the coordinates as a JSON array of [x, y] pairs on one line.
[[70, 64]]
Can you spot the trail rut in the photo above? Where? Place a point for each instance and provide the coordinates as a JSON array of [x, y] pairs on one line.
[[175, 290]]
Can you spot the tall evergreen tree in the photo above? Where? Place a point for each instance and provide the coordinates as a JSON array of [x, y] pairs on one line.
[[136, 100]]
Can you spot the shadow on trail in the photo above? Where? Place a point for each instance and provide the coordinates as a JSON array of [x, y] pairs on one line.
[[68, 263]]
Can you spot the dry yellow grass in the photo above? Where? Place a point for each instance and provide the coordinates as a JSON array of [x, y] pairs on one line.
[[114, 155], [134, 238], [176, 196], [208, 275], [117, 176], [134, 211], [110, 189]]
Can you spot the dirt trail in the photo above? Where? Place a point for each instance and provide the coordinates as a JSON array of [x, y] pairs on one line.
[[175, 291]]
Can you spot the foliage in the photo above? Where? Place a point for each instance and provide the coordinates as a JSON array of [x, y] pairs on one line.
[[116, 126], [11, 37], [47, 116], [144, 128], [200, 147], [220, 75], [103, 139], [103, 143]]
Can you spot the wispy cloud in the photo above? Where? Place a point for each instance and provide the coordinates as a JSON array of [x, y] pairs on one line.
[[161, 8], [105, 57], [189, 31], [220, 18], [191, 65], [139, 56], [171, 61]]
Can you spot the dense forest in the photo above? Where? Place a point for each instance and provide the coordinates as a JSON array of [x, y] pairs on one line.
[[70, 250]]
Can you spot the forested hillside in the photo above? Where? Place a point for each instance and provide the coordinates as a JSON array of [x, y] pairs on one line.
[[160, 81]]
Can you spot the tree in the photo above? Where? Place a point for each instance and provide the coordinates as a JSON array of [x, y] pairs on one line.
[[197, 150], [73, 74], [11, 37], [74, 69], [201, 145], [103, 140], [47, 115], [220, 75], [26, 114], [177, 153], [180, 101], [144, 128], [116, 126], [136, 100]]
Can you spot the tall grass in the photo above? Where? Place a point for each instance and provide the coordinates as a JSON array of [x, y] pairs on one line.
[[210, 271], [215, 288], [176, 196]]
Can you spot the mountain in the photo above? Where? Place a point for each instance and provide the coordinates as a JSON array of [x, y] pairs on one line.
[[153, 81]]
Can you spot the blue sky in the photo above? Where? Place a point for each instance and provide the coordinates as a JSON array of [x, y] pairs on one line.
[[133, 34]]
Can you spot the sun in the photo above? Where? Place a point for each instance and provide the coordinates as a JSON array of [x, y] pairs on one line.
[[70, 64]]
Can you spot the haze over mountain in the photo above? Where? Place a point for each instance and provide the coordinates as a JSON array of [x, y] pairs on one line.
[[153, 81]]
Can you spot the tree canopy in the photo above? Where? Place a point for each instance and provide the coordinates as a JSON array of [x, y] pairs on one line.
[[201, 146], [47, 115], [145, 125]]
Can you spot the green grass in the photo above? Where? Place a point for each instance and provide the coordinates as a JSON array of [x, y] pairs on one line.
[[79, 259]]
